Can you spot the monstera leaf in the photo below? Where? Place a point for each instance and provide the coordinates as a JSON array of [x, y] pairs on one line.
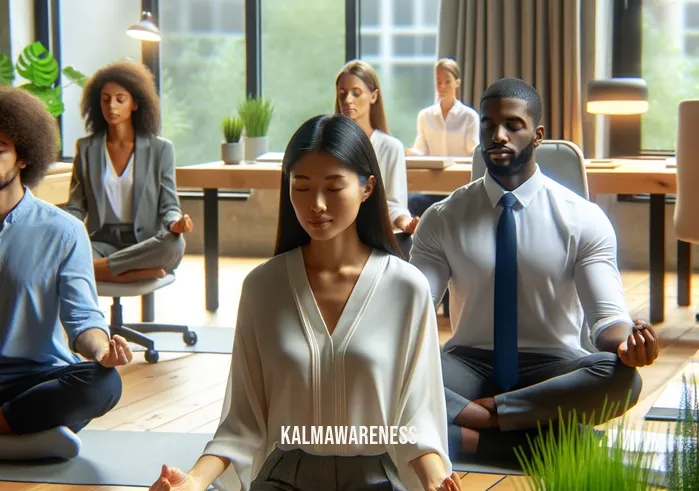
[[37, 65], [75, 76], [50, 96], [7, 70]]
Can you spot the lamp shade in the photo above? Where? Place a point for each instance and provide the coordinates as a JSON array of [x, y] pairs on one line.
[[617, 96], [146, 30]]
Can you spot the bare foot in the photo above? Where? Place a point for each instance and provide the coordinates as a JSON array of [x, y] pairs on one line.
[[4, 427], [488, 403], [469, 440], [104, 274], [138, 275], [476, 416]]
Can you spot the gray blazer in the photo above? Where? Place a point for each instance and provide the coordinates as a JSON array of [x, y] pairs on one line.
[[155, 193]]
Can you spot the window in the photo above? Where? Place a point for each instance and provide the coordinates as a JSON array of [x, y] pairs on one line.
[[303, 48], [102, 25], [399, 38], [670, 65], [202, 60]]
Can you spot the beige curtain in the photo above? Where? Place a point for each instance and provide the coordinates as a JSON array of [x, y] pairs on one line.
[[548, 43]]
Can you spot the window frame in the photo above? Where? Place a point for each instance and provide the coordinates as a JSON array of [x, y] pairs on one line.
[[47, 28]]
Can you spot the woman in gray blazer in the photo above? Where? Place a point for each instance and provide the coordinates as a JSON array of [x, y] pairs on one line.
[[123, 181]]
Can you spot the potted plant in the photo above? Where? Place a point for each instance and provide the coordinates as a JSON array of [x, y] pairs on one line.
[[576, 457], [232, 147], [256, 114], [40, 69]]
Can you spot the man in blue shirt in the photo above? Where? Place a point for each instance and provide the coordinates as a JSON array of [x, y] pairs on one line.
[[47, 287]]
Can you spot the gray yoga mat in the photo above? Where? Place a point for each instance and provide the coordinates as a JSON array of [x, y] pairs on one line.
[[216, 340], [114, 458], [668, 406]]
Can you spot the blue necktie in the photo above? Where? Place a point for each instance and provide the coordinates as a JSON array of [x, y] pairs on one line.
[[505, 315]]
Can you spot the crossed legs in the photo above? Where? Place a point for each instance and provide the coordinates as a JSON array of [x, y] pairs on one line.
[[41, 412], [152, 258], [488, 423]]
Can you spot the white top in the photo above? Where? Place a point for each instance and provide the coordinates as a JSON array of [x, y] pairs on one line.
[[455, 136], [118, 191], [566, 264], [380, 367], [390, 153]]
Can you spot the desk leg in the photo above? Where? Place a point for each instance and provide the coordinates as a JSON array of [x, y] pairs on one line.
[[211, 248], [684, 273], [657, 258]]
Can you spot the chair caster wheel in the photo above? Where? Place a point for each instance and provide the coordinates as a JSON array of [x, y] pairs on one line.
[[190, 338], [152, 356]]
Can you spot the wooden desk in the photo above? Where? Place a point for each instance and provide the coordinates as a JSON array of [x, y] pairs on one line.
[[630, 177], [55, 186]]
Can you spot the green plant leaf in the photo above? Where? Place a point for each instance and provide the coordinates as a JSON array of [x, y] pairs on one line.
[[75, 76], [7, 70], [256, 114], [232, 128], [50, 96], [37, 65]]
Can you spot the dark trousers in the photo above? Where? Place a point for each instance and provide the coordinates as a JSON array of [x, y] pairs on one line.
[[417, 206], [547, 383], [69, 396]]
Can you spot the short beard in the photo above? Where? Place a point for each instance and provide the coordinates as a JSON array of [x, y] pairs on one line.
[[516, 162], [9, 181]]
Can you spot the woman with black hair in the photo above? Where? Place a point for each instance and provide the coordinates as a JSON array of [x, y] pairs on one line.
[[335, 333], [124, 178]]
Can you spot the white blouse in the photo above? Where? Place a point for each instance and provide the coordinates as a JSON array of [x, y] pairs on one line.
[[390, 153], [118, 191], [454, 136], [380, 367]]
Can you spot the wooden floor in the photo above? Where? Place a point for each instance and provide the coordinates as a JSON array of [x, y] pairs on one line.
[[184, 392]]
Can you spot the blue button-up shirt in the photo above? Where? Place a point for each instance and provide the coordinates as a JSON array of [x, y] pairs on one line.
[[47, 285]]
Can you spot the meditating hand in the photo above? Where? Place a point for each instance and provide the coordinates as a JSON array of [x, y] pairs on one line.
[[173, 479], [407, 224], [182, 226], [451, 483], [641, 347], [115, 354]]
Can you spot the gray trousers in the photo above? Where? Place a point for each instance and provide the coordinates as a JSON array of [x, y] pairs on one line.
[[296, 470], [125, 253], [547, 383]]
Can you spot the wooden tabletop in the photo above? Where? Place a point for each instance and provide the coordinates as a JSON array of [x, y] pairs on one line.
[[628, 177]]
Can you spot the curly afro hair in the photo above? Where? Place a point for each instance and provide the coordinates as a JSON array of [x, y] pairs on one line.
[[138, 81], [32, 129]]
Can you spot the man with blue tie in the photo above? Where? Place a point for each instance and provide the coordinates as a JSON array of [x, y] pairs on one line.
[[530, 263]]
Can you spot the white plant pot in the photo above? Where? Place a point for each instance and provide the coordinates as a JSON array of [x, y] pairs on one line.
[[232, 153], [254, 147]]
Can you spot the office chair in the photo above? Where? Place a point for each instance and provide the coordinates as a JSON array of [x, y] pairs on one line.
[[686, 218], [134, 332]]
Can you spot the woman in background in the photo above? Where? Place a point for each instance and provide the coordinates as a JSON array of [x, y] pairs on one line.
[[359, 98], [316, 347], [124, 178], [448, 128]]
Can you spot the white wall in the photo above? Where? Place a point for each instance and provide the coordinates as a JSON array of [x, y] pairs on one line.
[[21, 26], [93, 34]]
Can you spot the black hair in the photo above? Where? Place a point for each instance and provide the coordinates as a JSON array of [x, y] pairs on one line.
[[340, 137], [32, 130], [516, 88]]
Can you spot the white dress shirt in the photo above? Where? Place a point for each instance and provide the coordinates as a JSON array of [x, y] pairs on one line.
[[566, 264], [390, 153], [454, 136], [119, 192], [379, 367]]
